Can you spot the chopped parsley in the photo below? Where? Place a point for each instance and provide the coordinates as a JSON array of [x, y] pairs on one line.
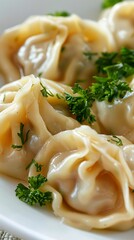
[[90, 55], [45, 92], [40, 74], [110, 83], [125, 57], [32, 194], [111, 87], [104, 60], [22, 136], [110, 3], [37, 165], [116, 140], [60, 14], [80, 103]]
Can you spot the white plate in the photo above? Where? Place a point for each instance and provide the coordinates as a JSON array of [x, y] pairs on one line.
[[32, 223], [15, 216]]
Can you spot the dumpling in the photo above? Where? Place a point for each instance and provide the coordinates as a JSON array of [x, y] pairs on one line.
[[86, 176], [128, 151], [27, 120], [53, 47], [117, 118], [128, 155], [120, 21]]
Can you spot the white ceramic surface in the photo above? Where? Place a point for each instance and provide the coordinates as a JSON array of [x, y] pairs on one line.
[[15, 216]]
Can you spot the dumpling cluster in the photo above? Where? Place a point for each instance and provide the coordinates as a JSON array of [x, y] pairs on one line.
[[90, 177], [89, 168]]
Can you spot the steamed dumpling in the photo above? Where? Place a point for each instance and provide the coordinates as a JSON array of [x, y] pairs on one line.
[[24, 111], [120, 21], [117, 118], [87, 176], [53, 47]]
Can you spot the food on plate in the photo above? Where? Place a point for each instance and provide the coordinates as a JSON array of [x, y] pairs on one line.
[[67, 115]]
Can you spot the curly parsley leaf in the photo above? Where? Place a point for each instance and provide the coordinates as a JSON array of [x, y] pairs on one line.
[[127, 56], [36, 181], [105, 59], [81, 103], [109, 3], [23, 137], [31, 194], [113, 86]]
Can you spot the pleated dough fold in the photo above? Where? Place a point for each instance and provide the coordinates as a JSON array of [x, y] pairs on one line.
[[88, 178], [120, 21], [22, 103]]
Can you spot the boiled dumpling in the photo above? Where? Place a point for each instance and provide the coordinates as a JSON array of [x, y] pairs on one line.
[[87, 177], [120, 21], [53, 47], [117, 117], [27, 120]]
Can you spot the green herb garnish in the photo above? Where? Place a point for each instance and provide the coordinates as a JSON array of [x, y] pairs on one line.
[[31, 194], [109, 3], [90, 55], [81, 103], [23, 138], [40, 74], [60, 14], [125, 57], [37, 165], [45, 92], [110, 84], [105, 59], [116, 140]]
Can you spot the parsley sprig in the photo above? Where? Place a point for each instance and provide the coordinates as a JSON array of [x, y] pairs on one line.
[[110, 3], [81, 103], [36, 164], [23, 137], [32, 195], [111, 87], [110, 83], [125, 57]]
